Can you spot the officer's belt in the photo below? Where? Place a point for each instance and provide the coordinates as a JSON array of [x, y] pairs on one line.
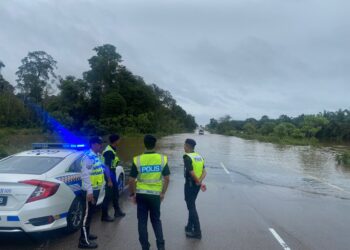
[[148, 181], [140, 191]]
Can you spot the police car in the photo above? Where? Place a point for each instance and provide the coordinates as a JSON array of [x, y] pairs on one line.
[[40, 189]]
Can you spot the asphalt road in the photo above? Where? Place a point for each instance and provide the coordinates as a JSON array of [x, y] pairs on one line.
[[235, 213], [238, 211]]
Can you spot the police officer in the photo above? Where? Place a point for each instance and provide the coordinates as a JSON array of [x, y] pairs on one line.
[[150, 169], [111, 160], [194, 174], [92, 176]]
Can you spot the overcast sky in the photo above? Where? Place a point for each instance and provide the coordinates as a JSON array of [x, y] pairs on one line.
[[245, 58]]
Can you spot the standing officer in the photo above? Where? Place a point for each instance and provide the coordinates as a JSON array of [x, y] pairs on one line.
[[92, 176], [149, 169], [194, 175], [111, 160]]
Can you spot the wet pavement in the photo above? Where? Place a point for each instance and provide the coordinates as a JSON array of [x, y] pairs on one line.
[[260, 196]]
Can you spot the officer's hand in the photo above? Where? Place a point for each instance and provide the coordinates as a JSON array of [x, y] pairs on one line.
[[110, 184], [133, 199], [203, 187], [90, 198], [161, 196]]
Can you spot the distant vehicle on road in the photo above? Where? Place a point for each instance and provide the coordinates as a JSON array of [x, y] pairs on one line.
[[201, 132], [40, 189]]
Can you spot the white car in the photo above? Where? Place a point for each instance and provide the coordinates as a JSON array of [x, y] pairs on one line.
[[40, 189]]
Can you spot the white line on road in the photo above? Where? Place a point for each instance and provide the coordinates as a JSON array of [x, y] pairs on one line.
[[223, 166], [319, 179], [279, 239]]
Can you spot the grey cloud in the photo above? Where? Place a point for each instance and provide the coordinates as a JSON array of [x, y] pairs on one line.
[[244, 57]]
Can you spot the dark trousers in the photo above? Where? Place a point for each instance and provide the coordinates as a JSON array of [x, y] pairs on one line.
[[112, 194], [89, 209], [191, 193], [149, 204]]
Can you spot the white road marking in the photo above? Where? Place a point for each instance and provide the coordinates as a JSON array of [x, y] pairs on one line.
[[279, 239], [223, 166], [318, 179]]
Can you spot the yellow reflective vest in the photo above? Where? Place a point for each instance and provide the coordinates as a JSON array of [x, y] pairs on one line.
[[150, 167], [96, 172], [116, 158], [197, 163]]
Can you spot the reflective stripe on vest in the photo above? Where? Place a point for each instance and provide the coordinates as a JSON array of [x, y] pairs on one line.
[[197, 163], [116, 158], [96, 174], [150, 167]]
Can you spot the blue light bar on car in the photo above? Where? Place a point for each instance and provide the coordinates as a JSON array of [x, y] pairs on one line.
[[59, 145]]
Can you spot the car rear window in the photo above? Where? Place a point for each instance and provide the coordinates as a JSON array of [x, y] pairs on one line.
[[28, 165]]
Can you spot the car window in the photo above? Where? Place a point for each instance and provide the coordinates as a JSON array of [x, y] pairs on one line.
[[75, 167], [28, 164]]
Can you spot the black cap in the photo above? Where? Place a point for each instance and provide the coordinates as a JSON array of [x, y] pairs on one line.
[[149, 141], [96, 139], [191, 142], [113, 138]]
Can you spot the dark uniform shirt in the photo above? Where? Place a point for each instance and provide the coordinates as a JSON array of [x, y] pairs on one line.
[[109, 157], [134, 172]]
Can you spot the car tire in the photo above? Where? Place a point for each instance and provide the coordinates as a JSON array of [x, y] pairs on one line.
[[75, 215], [121, 183]]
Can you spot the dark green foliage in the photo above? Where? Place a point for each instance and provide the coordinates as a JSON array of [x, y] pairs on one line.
[[304, 129], [108, 99], [34, 74]]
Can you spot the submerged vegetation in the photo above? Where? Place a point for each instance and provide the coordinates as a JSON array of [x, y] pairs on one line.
[[304, 129]]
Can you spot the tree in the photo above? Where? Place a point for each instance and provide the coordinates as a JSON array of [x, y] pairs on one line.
[[102, 75], [113, 104], [313, 124], [249, 128], [34, 74], [5, 86]]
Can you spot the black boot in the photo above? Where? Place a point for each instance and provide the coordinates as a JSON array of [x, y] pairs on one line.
[[194, 234], [118, 213], [92, 237], [160, 246], [107, 218], [87, 245], [188, 229]]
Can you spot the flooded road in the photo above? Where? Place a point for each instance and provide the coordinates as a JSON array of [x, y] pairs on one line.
[[260, 196]]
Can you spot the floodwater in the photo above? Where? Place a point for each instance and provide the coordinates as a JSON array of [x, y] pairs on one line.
[[259, 196]]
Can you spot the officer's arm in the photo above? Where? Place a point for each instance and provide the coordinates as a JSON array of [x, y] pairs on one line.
[[132, 179], [166, 180], [107, 173], [86, 166], [194, 177], [204, 174], [109, 157]]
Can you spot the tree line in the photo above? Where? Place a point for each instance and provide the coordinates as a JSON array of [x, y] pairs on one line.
[[108, 97], [323, 127]]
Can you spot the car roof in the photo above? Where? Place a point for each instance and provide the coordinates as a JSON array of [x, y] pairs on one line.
[[48, 153]]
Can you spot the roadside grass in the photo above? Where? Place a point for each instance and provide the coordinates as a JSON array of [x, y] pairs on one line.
[[276, 139], [343, 158]]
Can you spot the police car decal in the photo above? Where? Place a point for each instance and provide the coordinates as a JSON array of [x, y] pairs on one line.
[[73, 181]]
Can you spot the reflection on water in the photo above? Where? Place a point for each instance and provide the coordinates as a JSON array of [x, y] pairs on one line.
[[301, 167], [305, 168]]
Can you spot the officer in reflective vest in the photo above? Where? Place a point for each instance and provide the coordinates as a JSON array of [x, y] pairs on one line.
[[111, 160], [93, 179], [194, 174], [149, 179]]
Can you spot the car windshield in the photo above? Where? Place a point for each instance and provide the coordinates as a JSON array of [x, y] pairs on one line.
[[28, 165]]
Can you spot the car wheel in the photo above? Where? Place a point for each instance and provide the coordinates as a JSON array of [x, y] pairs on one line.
[[75, 215], [121, 183]]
